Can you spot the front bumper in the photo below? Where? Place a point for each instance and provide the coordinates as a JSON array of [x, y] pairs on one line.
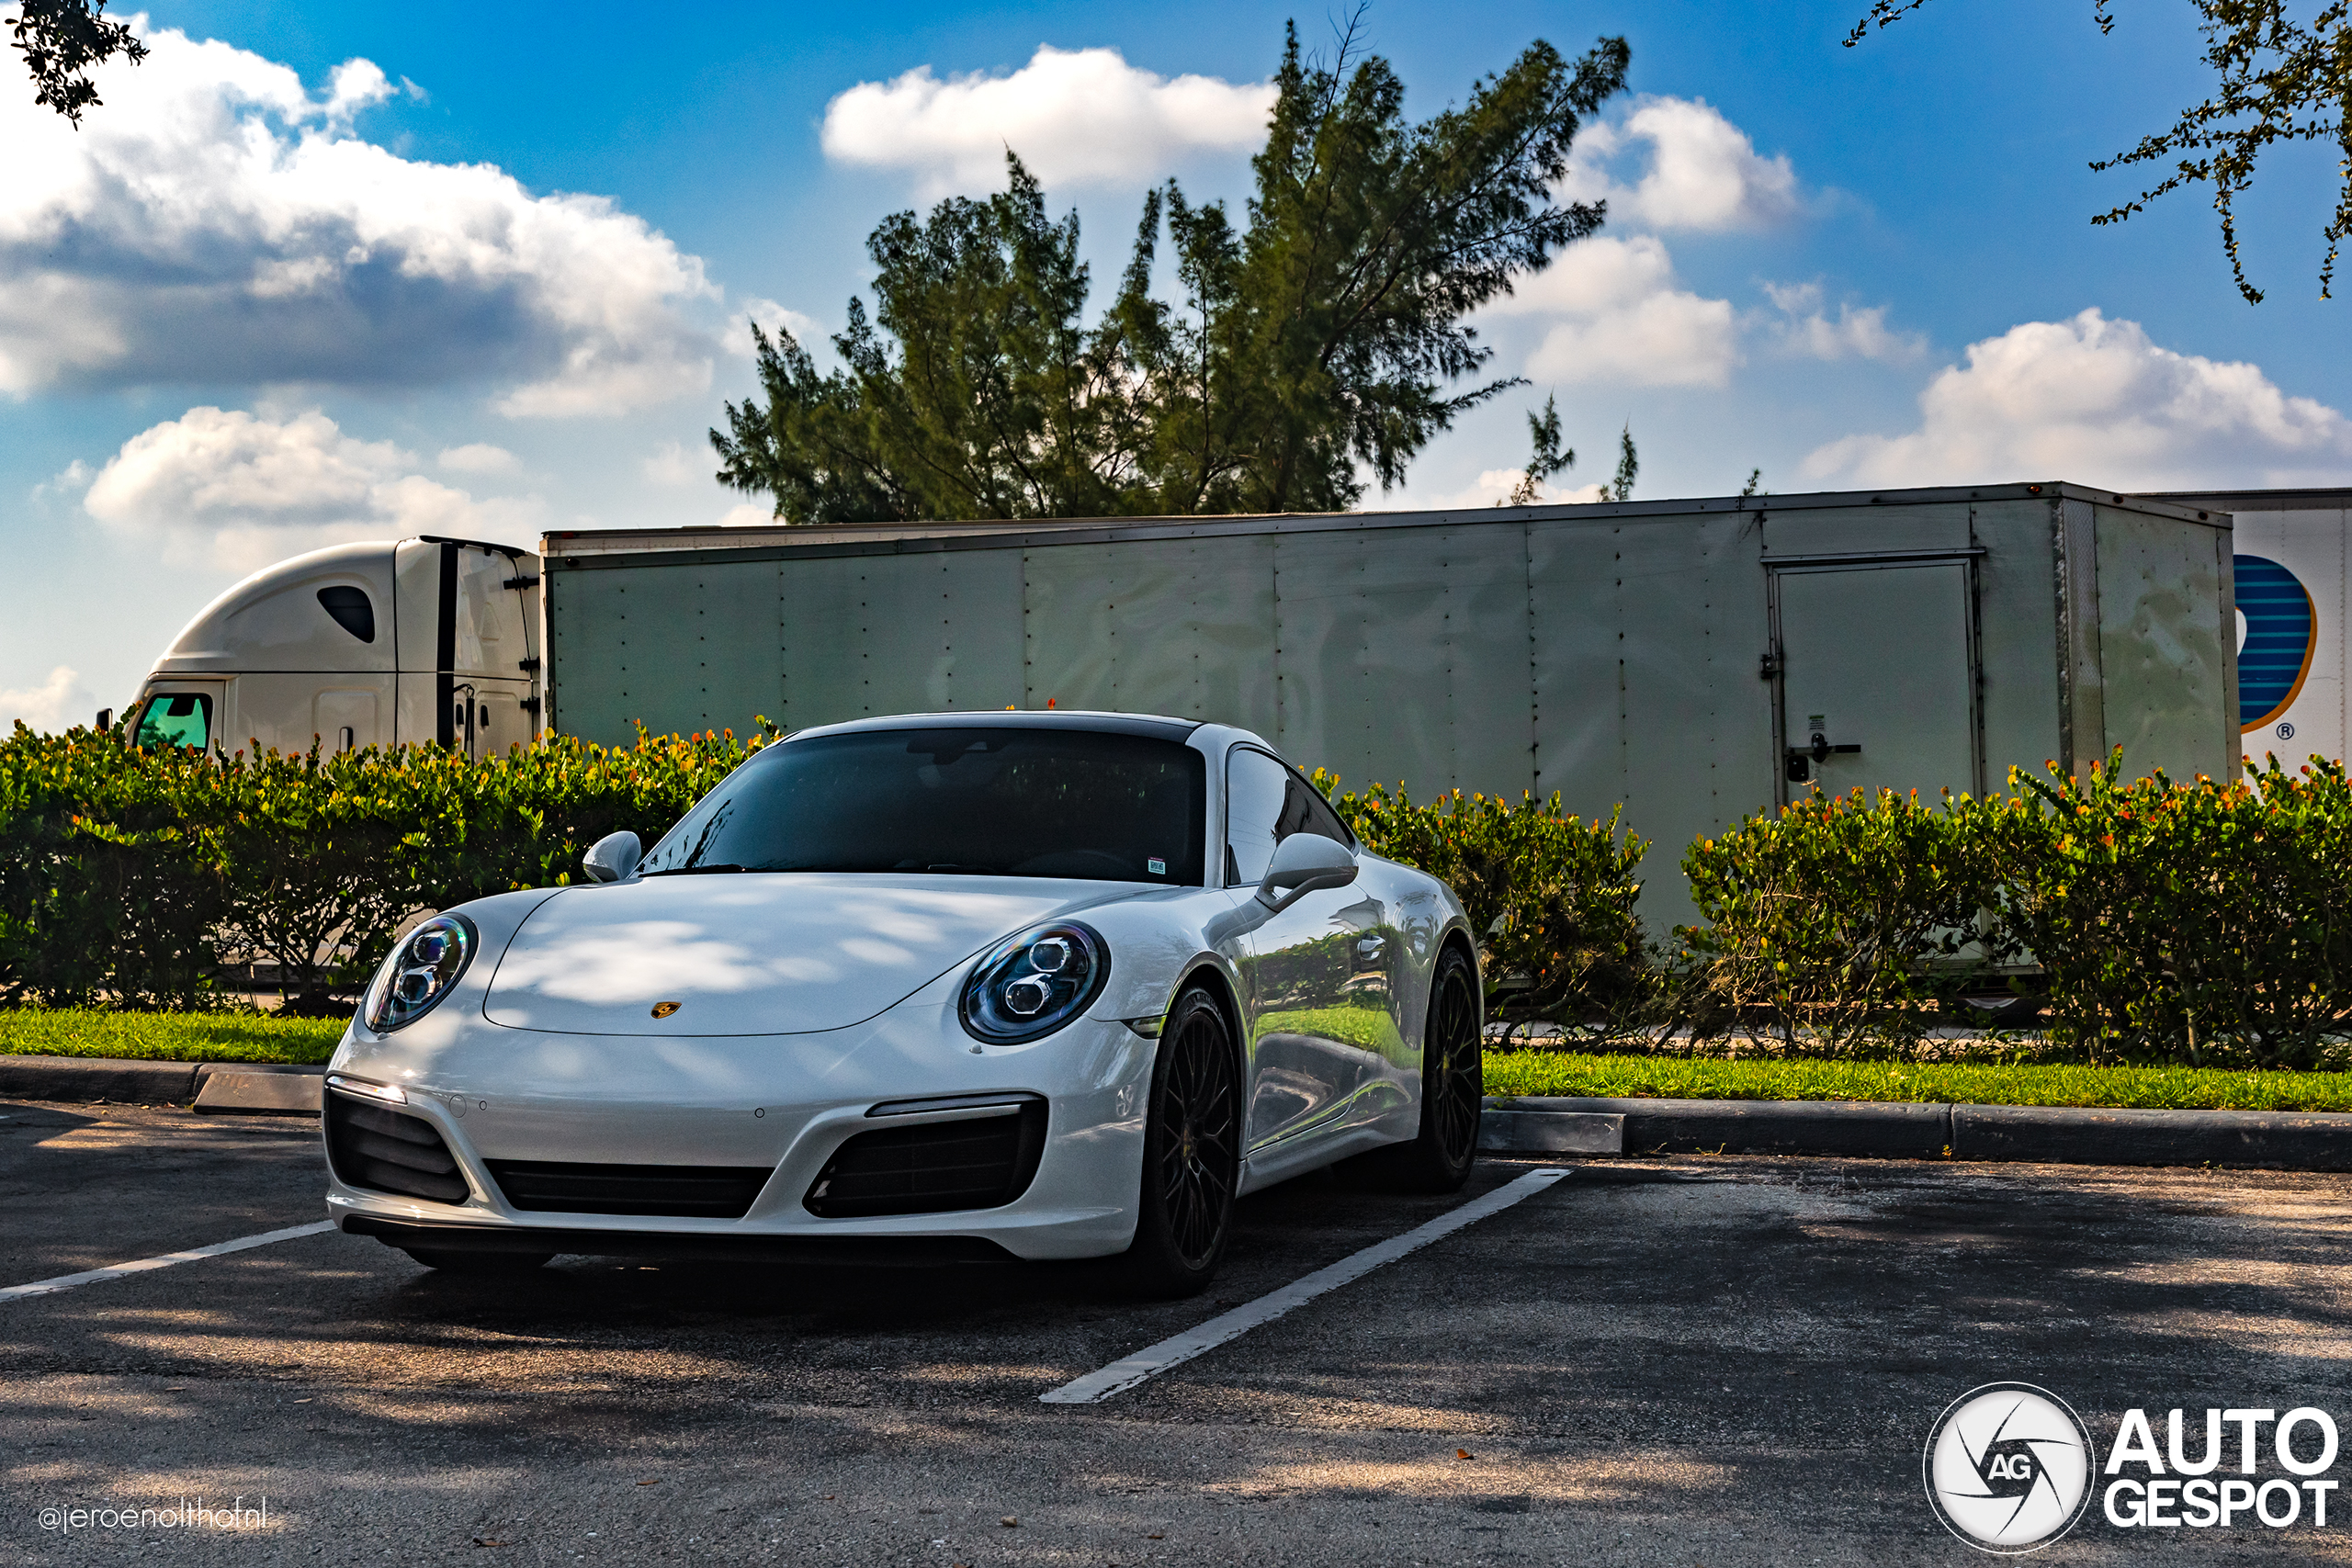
[[786, 1103]]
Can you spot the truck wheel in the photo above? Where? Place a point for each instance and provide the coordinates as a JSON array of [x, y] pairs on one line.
[[1192, 1153]]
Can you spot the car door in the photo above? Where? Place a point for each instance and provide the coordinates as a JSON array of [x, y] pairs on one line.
[[1313, 1044]]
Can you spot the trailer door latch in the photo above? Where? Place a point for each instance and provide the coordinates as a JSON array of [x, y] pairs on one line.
[[1802, 760]]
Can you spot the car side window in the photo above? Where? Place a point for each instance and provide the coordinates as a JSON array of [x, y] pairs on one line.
[[1264, 804], [176, 718], [1255, 790], [1305, 811]]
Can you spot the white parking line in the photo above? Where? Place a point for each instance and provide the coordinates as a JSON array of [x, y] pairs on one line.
[[116, 1271], [1149, 1362]]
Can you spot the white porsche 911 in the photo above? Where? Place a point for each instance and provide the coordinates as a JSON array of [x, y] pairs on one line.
[[956, 985]]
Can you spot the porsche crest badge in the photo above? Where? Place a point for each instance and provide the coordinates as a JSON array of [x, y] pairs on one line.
[[663, 1009]]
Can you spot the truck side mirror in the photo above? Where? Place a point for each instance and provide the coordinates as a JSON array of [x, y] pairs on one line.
[[612, 857], [1302, 864]]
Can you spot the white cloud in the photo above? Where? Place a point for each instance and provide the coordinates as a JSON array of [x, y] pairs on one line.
[[231, 490], [59, 703], [354, 86], [1855, 333], [216, 223], [1702, 171], [747, 516], [1494, 488], [672, 464], [1076, 117], [2095, 400], [737, 339], [479, 457], [72, 479], [1619, 318]]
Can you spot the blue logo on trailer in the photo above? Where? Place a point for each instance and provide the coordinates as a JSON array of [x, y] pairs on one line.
[[2281, 630]]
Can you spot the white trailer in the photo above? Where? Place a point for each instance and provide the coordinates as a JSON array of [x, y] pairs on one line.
[[2293, 550], [357, 644], [1695, 659]]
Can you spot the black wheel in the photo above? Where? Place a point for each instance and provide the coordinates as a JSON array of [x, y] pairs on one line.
[[1192, 1153], [463, 1260], [1454, 1091]]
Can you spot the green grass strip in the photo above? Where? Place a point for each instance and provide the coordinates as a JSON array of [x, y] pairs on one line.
[[167, 1036], [257, 1037], [1680, 1077]]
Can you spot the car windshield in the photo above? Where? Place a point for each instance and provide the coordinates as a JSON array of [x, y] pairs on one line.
[[987, 802]]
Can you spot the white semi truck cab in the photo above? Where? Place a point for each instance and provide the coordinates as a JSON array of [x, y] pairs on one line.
[[375, 644]]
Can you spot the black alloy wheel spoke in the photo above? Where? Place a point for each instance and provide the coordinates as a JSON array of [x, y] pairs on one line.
[[1196, 1180], [1456, 1086]]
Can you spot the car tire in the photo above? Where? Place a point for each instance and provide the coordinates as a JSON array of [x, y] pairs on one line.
[[1192, 1153], [465, 1260], [1453, 1092]]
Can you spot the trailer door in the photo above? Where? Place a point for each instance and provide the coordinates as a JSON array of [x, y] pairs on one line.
[[1877, 674]]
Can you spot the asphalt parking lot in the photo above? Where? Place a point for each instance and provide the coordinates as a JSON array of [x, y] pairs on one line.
[[1689, 1361]]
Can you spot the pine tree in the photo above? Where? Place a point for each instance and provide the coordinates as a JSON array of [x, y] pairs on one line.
[[1326, 332], [1549, 459]]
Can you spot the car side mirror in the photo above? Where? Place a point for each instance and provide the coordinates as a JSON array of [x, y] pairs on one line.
[[612, 857], [1303, 864]]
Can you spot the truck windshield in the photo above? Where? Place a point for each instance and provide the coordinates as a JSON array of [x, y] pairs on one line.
[[981, 802]]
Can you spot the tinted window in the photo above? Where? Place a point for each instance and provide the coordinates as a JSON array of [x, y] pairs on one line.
[[352, 610], [1062, 803], [1264, 804], [181, 718]]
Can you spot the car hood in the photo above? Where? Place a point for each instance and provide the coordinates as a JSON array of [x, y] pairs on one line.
[[759, 953]]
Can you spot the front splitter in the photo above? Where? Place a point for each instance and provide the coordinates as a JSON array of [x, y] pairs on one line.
[[840, 1251]]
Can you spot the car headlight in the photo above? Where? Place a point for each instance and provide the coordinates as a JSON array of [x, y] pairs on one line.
[[420, 971], [1035, 983]]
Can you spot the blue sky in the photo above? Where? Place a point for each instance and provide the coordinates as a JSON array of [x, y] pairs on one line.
[[320, 272]]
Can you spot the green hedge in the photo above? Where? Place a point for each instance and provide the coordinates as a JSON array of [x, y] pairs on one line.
[[2192, 922], [135, 874], [2188, 922], [1551, 894]]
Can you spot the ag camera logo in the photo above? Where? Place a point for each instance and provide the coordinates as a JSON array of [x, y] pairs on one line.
[[2008, 1467]]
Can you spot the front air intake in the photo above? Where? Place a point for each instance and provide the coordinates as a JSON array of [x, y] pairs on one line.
[[380, 1149], [674, 1191], [938, 1168]]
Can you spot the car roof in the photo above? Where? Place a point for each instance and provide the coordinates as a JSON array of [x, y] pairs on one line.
[[1151, 725]]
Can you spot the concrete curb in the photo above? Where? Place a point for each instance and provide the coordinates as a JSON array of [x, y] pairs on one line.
[[258, 1088], [1503, 1131], [91, 1078], [2286, 1140], [243, 1087]]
